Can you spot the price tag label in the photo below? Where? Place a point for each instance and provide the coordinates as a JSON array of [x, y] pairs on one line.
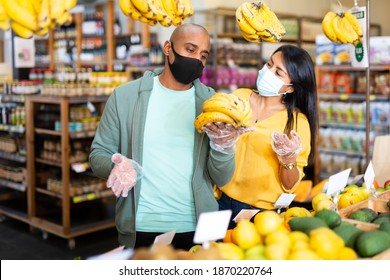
[[337, 182], [212, 226], [369, 176], [165, 238], [284, 200], [344, 96], [245, 214]]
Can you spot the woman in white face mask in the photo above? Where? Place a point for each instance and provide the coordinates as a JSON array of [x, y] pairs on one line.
[[270, 160]]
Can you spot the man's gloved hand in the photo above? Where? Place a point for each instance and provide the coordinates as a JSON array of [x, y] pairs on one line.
[[286, 148], [124, 175], [223, 137]]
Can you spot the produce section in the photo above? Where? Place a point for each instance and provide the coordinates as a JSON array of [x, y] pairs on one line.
[[48, 120]]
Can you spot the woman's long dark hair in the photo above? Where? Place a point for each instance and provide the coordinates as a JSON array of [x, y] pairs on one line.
[[300, 68]]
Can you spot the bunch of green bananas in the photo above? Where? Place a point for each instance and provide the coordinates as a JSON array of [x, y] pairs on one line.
[[29, 17], [165, 12], [226, 108], [342, 28], [258, 23]]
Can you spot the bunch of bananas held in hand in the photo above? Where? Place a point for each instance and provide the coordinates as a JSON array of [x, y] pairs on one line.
[[258, 23], [342, 28], [34, 17], [165, 12], [226, 108]]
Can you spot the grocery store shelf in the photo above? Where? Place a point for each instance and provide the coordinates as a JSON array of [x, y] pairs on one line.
[[12, 128], [13, 185], [13, 157], [341, 152], [351, 97]]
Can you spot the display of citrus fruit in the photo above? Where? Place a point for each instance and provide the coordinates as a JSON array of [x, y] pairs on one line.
[[230, 251]]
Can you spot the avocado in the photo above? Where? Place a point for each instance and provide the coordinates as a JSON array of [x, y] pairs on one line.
[[306, 224], [371, 243], [361, 216], [381, 220], [348, 233], [385, 226], [372, 214], [331, 218]]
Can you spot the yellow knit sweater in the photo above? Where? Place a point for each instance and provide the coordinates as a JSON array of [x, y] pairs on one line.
[[256, 180]]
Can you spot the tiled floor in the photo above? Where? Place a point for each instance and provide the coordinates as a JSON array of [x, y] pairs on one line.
[[18, 243]]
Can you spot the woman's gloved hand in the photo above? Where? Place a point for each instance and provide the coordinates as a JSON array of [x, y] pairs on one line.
[[124, 175], [286, 148], [223, 137]]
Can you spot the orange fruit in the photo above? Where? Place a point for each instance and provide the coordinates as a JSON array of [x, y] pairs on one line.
[[228, 236], [267, 221]]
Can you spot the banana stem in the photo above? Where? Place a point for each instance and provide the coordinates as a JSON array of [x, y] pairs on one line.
[[341, 6], [260, 3]]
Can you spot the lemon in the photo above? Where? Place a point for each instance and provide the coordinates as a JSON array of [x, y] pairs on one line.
[[245, 234], [230, 251], [347, 199], [324, 204], [300, 245], [267, 221], [298, 236], [276, 251], [326, 243], [347, 253], [318, 197], [279, 237], [304, 254]]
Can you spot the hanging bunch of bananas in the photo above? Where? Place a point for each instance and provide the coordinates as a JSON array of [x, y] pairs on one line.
[[258, 23], [34, 17], [342, 28], [226, 108], [165, 12]]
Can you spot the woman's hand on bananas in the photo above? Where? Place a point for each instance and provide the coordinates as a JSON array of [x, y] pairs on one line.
[[223, 136], [287, 148], [124, 175]]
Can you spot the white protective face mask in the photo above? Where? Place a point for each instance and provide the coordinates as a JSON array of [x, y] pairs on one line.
[[268, 84]]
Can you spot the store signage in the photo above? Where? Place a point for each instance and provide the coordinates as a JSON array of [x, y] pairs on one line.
[[165, 238], [369, 177], [359, 53], [337, 182], [24, 52]]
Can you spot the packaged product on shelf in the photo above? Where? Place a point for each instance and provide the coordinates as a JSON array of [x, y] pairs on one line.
[[324, 50], [380, 50], [341, 54], [343, 82], [327, 82], [382, 83]]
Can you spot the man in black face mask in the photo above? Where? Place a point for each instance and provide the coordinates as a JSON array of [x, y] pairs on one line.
[[149, 122]]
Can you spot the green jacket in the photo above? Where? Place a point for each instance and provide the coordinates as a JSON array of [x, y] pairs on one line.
[[121, 130]]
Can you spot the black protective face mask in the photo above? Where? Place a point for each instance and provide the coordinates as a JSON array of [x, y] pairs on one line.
[[185, 69]]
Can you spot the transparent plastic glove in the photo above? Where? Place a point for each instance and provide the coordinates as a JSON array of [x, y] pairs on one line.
[[124, 175], [286, 148], [223, 137]]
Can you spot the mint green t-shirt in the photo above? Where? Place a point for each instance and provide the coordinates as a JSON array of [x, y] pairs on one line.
[[166, 200]]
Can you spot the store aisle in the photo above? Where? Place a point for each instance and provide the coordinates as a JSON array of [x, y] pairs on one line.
[[18, 243]]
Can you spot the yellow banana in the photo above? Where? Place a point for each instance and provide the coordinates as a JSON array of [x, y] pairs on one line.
[[253, 38], [242, 23], [70, 4], [150, 9], [20, 15], [5, 24], [179, 6], [188, 9], [344, 30], [3, 14], [210, 117], [327, 26], [42, 32], [251, 12], [274, 27], [57, 8], [337, 27], [169, 7], [36, 4], [21, 30], [355, 23], [44, 15], [228, 104], [66, 18]]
